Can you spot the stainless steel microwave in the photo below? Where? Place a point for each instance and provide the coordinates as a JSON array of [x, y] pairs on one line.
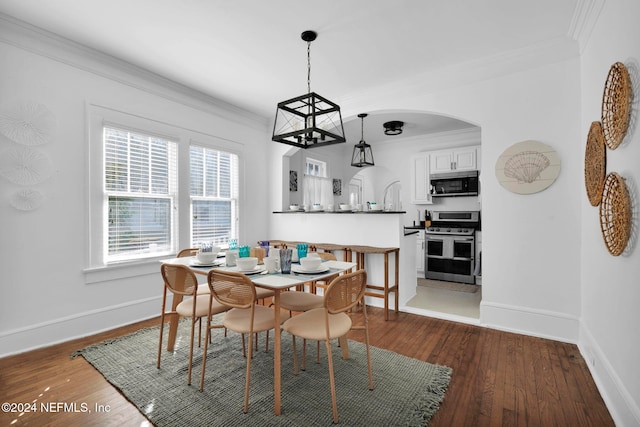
[[449, 184]]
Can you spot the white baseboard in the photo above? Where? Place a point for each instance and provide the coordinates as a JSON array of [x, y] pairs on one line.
[[77, 326], [621, 404], [524, 320], [440, 315]]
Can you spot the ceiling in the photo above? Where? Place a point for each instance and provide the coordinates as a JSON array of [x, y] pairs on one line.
[[249, 52]]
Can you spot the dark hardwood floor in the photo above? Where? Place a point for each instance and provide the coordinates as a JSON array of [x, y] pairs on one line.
[[499, 378]]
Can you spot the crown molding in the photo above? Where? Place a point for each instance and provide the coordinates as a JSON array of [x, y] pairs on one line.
[[46, 44], [584, 19]]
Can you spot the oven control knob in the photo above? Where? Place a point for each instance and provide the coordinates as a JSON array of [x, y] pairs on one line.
[[448, 230]]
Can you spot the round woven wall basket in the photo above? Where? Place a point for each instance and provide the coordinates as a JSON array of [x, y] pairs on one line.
[[616, 105], [615, 214], [595, 163]]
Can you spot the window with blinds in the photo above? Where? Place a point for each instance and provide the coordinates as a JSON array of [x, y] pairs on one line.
[[316, 167], [214, 196], [140, 185]]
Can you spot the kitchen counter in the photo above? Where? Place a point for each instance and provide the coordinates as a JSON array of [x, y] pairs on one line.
[[349, 229], [413, 229]]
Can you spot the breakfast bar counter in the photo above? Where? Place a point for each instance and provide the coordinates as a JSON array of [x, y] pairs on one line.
[[364, 212], [344, 233]]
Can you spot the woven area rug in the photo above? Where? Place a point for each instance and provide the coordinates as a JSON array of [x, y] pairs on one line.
[[406, 392]]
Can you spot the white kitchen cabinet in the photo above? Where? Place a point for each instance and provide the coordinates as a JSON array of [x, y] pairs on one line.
[[456, 159], [420, 254], [420, 182]]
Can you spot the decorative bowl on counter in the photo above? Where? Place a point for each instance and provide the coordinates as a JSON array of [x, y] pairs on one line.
[[294, 207]]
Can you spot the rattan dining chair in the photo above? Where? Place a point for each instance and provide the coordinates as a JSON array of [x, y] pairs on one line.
[[323, 283], [179, 280], [236, 290], [332, 321], [187, 252], [301, 301], [203, 288]]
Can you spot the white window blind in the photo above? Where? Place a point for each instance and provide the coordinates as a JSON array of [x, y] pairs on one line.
[[141, 190], [214, 196]]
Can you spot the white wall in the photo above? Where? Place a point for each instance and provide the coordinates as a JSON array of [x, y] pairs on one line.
[[531, 244], [610, 293], [545, 272], [46, 296]]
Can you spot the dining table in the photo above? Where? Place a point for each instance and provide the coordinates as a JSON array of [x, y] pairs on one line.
[[277, 282]]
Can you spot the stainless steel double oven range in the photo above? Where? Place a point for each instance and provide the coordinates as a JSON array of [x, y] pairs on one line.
[[450, 252]]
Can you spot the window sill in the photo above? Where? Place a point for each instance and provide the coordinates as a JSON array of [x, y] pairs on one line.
[[123, 270]]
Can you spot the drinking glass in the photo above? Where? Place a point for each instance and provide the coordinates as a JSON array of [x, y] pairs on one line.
[[302, 250], [285, 261], [264, 244], [244, 251], [231, 257]]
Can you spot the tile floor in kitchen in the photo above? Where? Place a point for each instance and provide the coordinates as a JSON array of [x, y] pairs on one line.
[[450, 303]]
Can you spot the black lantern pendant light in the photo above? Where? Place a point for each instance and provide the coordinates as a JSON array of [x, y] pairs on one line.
[[362, 154], [309, 120]]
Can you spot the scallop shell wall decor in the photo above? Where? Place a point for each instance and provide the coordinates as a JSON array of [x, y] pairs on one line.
[[26, 199], [30, 124], [527, 167], [25, 166]]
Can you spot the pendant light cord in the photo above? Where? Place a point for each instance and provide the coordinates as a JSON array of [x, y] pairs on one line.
[[308, 67]]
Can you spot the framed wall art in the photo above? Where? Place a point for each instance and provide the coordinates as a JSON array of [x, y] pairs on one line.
[[527, 167], [337, 187], [293, 180]]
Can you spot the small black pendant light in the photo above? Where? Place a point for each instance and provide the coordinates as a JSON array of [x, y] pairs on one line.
[[362, 154], [309, 120], [393, 127]]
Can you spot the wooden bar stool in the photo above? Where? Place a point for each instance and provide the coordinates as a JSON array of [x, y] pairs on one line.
[[379, 291]]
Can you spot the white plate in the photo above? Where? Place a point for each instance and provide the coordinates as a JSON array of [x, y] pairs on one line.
[[299, 269], [258, 269], [197, 263]]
